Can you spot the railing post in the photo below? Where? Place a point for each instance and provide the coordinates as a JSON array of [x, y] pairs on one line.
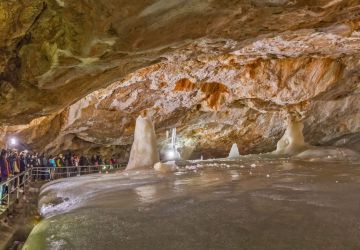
[[8, 195], [17, 187], [1, 192], [25, 180]]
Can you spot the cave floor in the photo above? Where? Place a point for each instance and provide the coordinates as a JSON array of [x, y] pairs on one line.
[[220, 204]]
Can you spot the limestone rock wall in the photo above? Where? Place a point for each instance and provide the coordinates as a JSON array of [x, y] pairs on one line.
[[76, 74]]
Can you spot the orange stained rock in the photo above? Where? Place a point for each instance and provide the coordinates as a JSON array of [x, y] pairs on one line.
[[215, 93], [184, 84]]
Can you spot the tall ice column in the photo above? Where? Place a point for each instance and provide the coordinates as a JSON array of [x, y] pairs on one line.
[[144, 153]]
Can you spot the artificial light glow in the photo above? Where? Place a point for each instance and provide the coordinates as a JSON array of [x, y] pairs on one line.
[[13, 141], [170, 154]]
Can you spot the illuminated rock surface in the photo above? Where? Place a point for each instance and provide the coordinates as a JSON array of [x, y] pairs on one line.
[[76, 74]]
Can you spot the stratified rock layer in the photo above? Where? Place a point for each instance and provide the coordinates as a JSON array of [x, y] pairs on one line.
[[76, 74]]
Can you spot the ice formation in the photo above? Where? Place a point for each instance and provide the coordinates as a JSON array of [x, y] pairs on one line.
[[144, 153], [292, 141], [234, 151], [116, 207], [166, 167], [173, 138], [176, 154], [329, 154], [170, 152]]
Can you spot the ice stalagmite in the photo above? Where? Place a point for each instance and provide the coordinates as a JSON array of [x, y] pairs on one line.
[[144, 153], [234, 151], [170, 152], [292, 141], [175, 153]]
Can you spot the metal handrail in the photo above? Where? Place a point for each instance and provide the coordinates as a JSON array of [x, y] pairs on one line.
[[70, 171], [15, 183], [12, 185]]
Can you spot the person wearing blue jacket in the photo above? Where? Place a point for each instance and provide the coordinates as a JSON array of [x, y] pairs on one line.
[[52, 164]]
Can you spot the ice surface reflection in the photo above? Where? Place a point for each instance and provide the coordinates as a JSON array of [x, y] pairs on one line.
[[249, 203], [146, 193]]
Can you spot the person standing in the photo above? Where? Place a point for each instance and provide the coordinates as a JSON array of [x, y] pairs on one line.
[[76, 160], [52, 164], [82, 161], [28, 160], [10, 161], [60, 164], [22, 162], [4, 168], [93, 160], [16, 168], [45, 165], [99, 160], [16, 163]]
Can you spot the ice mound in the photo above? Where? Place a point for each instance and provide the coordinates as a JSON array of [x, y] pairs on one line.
[[328, 154], [292, 141], [166, 167], [144, 153], [293, 144], [66, 195], [234, 151]]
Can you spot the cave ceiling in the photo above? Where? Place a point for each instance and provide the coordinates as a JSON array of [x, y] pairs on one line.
[[76, 74]]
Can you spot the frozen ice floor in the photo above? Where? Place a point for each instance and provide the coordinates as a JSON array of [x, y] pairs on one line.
[[249, 204]]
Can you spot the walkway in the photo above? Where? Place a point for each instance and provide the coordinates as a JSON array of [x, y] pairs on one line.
[[15, 187]]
